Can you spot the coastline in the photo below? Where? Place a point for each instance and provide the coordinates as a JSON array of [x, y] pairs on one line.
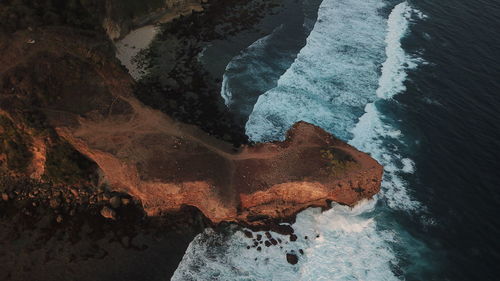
[[105, 238], [141, 37]]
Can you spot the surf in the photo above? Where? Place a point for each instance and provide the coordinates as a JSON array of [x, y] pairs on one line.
[[320, 87]]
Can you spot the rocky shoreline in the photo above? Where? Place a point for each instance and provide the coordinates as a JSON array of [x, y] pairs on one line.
[[109, 179]]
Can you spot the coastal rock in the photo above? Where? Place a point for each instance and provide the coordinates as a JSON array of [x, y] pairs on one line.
[[167, 164], [115, 202], [292, 258], [108, 213], [55, 203]]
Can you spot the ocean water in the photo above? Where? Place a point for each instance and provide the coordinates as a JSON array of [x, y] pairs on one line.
[[415, 84]]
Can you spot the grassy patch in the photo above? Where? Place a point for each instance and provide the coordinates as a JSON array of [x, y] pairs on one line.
[[14, 146], [66, 165], [338, 162]]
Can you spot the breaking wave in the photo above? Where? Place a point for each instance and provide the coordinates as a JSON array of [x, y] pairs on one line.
[[342, 244], [374, 133], [336, 83], [333, 77]]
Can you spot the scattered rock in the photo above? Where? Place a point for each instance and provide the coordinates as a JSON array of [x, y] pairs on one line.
[[259, 249], [259, 236], [59, 219], [115, 202], [5, 196], [268, 235], [125, 201], [301, 251], [56, 193], [293, 237], [248, 234], [74, 192], [273, 241], [55, 203], [108, 213], [106, 197], [267, 243], [292, 258]]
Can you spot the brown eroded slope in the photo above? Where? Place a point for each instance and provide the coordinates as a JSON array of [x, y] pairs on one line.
[[87, 98]]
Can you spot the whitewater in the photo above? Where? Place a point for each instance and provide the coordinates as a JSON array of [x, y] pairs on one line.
[[352, 64]]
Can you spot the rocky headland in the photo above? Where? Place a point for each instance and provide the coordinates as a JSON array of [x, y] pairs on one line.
[[80, 144], [87, 99]]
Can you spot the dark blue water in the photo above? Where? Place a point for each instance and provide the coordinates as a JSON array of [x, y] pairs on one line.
[[452, 111], [417, 85]]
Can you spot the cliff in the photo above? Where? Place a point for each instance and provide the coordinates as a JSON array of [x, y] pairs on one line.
[[71, 81], [115, 17]]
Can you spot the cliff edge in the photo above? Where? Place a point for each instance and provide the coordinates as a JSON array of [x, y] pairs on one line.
[[86, 98]]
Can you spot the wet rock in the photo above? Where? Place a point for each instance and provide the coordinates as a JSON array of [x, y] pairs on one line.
[[268, 235], [283, 229], [292, 258], [248, 234], [267, 243], [259, 249], [108, 213], [301, 251], [293, 237], [115, 202], [273, 241], [259, 236]]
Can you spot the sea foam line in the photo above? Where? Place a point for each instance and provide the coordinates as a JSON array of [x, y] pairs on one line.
[[372, 133], [345, 243]]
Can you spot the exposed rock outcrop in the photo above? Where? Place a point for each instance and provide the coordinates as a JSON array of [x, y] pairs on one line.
[[87, 99]]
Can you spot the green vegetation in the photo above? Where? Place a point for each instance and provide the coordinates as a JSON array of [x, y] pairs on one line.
[[21, 14], [338, 162], [66, 165], [13, 146], [133, 8]]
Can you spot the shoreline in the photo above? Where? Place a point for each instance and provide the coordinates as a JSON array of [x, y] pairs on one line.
[[141, 37], [195, 100]]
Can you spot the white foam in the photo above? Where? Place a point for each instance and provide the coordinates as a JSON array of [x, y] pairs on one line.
[[349, 247], [351, 244], [375, 135], [333, 76], [394, 69]]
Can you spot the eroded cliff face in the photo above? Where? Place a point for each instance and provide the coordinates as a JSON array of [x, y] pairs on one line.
[[86, 97]]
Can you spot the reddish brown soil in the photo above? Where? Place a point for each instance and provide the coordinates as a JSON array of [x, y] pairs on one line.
[[88, 100]]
